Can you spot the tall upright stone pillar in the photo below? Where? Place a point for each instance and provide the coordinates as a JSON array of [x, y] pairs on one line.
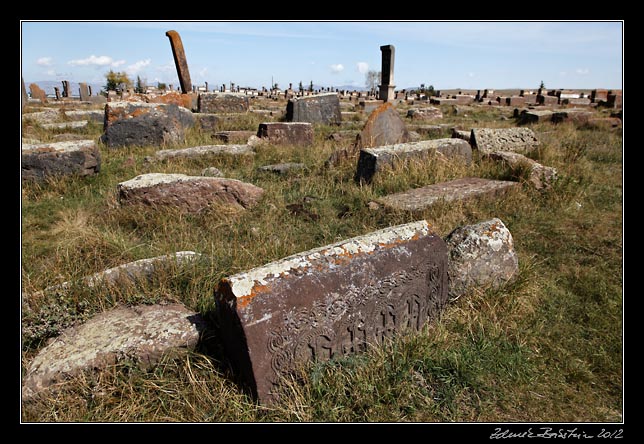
[[83, 91], [66, 89], [387, 73], [180, 61]]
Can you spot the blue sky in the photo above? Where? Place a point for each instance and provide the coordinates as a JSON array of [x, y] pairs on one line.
[[468, 55]]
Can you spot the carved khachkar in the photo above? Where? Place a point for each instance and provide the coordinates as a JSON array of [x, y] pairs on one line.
[[330, 302], [387, 73], [180, 61]]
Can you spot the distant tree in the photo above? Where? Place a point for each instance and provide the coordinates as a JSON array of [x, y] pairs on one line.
[[161, 86], [117, 81], [542, 86], [275, 86], [311, 86], [141, 85], [372, 80], [430, 91], [301, 87]]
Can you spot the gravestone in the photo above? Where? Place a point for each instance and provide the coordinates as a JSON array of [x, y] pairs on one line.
[[234, 136], [200, 151], [321, 108], [429, 113], [383, 127], [520, 140], [572, 115], [40, 161], [515, 101], [387, 73], [418, 199], [540, 177], [130, 123], [37, 93], [330, 302], [67, 92], [535, 116], [207, 122], [215, 102], [191, 194], [289, 133], [597, 95], [372, 160], [57, 92], [180, 61], [83, 92], [547, 100]]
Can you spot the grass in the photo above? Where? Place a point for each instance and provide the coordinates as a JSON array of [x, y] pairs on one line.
[[546, 348]]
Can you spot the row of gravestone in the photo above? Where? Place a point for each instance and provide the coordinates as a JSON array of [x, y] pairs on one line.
[[320, 304]]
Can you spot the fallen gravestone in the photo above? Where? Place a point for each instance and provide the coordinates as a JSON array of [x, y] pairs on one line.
[[282, 168], [383, 127], [572, 115], [40, 161], [200, 151], [207, 122], [430, 113], [76, 124], [143, 333], [192, 194], [538, 116], [89, 114], [234, 136], [320, 108], [481, 256], [130, 123], [418, 199], [540, 177], [330, 302], [222, 103], [486, 140], [460, 134], [372, 160], [290, 133]]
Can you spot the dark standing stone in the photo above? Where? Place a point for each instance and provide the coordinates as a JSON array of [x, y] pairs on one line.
[[57, 92], [83, 92], [139, 123], [387, 73], [383, 127], [180, 61], [222, 103], [330, 302], [61, 158], [66, 89], [322, 108], [374, 159], [291, 133], [418, 199]]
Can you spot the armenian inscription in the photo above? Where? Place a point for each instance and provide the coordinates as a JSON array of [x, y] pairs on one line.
[[331, 302]]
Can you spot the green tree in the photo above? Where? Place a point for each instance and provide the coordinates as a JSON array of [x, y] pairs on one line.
[[117, 81], [311, 86], [542, 85], [161, 86], [301, 87], [141, 85], [430, 91]]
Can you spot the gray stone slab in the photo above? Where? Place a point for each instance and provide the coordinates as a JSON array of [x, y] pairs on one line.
[[320, 108], [286, 133], [330, 302], [520, 140], [77, 124], [200, 151], [215, 102], [460, 189], [40, 161]]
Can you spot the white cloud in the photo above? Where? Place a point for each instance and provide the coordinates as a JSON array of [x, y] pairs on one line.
[[202, 72], [45, 61], [362, 67], [470, 74], [137, 66], [582, 71], [97, 61], [336, 68], [50, 72]]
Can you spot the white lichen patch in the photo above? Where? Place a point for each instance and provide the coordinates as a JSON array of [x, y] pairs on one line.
[[73, 145], [152, 179], [242, 284], [410, 147]]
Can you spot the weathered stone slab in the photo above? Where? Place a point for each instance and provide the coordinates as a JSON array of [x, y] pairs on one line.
[[460, 189], [429, 113], [541, 177], [582, 101], [129, 123], [46, 116], [60, 158], [76, 124], [547, 100], [368, 106], [212, 172], [180, 61], [86, 114], [215, 102], [37, 93], [383, 127], [320, 108], [282, 168], [535, 116], [372, 160], [200, 151], [460, 134], [234, 136], [598, 94], [572, 115], [192, 194], [289, 133], [443, 101], [330, 302], [83, 92], [144, 333], [431, 130], [515, 101], [207, 122], [481, 256], [487, 140]]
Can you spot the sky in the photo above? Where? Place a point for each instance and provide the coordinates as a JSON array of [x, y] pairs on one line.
[[446, 55]]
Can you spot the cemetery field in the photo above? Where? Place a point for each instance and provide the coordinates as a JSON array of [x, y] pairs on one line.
[[547, 347]]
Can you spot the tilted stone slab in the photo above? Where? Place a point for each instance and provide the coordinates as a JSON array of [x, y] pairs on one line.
[[520, 140], [143, 333], [330, 302], [383, 127], [538, 116], [418, 199], [80, 157], [200, 151], [76, 124], [222, 103], [290, 133], [372, 160], [541, 177], [320, 108], [481, 256], [189, 193], [139, 123]]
